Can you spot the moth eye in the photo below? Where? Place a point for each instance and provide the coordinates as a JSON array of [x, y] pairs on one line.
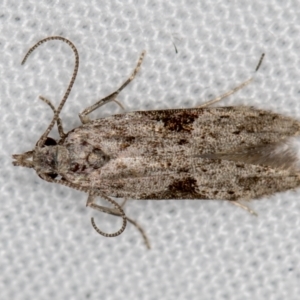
[[52, 175], [97, 158], [49, 142]]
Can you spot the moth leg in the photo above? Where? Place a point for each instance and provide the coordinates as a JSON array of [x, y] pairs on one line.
[[112, 97], [59, 122], [239, 87], [123, 202], [245, 207], [229, 93], [115, 212]]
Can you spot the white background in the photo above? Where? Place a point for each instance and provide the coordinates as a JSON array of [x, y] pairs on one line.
[[200, 249]]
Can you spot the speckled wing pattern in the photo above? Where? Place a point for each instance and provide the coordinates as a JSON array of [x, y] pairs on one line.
[[224, 153]]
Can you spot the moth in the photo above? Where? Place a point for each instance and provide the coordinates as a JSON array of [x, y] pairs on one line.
[[228, 153]]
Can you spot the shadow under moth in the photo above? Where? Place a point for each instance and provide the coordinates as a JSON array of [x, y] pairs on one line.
[[226, 153]]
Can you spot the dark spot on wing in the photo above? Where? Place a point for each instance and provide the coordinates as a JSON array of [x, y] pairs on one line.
[[185, 185], [126, 142], [182, 142], [248, 181], [74, 168], [178, 121]]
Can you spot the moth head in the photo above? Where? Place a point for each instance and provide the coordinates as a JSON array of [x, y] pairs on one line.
[[49, 159]]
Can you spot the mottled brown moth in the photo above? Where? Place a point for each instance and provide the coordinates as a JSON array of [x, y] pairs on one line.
[[226, 153]]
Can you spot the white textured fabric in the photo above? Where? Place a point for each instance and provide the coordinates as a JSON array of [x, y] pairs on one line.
[[200, 249]]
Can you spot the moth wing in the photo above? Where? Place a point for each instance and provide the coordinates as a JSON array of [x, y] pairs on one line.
[[281, 155], [227, 153]]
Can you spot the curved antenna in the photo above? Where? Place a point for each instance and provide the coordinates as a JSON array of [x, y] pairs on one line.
[[83, 189], [119, 208], [43, 138]]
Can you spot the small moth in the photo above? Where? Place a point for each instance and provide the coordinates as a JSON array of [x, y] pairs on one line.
[[227, 153]]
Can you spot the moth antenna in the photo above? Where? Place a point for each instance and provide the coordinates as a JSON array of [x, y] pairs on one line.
[[79, 188], [108, 234], [43, 138], [122, 213], [90, 203]]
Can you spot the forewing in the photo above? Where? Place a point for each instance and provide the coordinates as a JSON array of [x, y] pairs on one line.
[[177, 154]]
